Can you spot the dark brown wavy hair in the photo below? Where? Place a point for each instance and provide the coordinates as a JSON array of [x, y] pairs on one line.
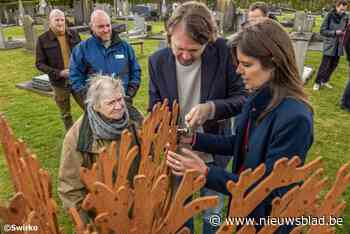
[[198, 21], [267, 41]]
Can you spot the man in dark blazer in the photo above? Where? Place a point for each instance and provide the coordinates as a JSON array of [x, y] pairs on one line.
[[52, 57], [197, 71]]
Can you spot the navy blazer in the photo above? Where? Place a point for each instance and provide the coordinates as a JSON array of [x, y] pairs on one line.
[[219, 82], [285, 132]]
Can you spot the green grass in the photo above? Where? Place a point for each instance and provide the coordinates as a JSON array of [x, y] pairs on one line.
[[36, 120]]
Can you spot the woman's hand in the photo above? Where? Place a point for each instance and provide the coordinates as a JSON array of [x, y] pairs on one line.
[[187, 160]]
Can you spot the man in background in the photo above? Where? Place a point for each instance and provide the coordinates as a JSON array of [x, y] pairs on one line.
[[52, 57], [105, 53]]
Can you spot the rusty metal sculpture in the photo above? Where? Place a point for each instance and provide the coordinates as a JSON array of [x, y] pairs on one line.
[[300, 201], [33, 203], [164, 211], [149, 204]]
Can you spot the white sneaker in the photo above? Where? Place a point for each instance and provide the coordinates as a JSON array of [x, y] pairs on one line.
[[327, 85], [316, 87]]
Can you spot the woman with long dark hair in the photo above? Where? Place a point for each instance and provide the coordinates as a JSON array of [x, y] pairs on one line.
[[276, 121]]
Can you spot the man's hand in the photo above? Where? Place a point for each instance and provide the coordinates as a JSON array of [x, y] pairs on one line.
[[199, 114], [64, 73]]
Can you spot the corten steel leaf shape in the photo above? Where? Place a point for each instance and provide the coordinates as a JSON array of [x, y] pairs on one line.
[[149, 204], [301, 201], [33, 203]]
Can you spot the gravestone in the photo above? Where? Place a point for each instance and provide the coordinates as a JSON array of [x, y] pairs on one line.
[[125, 7], [21, 12], [301, 38], [2, 15], [42, 7], [11, 44], [228, 24], [6, 16], [163, 9], [140, 28], [2, 39], [46, 24], [12, 17], [29, 33], [105, 7], [29, 9], [303, 22], [82, 12]]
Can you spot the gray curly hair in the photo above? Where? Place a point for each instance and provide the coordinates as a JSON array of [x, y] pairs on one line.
[[102, 87]]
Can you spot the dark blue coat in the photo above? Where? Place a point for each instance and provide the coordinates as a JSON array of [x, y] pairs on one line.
[[219, 82], [286, 131], [90, 57]]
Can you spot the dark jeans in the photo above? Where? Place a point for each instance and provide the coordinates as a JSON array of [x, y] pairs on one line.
[[327, 66], [62, 99], [345, 101]]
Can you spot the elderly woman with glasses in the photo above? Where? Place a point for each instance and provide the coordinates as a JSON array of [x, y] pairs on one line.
[[276, 121], [105, 118]]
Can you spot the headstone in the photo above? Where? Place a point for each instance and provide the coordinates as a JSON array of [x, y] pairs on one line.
[[105, 7], [82, 12], [2, 15], [29, 33], [29, 9], [2, 39], [163, 9], [125, 7], [301, 42], [12, 18], [11, 44], [42, 7], [46, 24], [303, 22], [21, 12], [119, 7], [41, 82], [140, 28], [6, 15], [229, 17]]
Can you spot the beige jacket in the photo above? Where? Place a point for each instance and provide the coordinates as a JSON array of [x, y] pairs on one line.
[[70, 188]]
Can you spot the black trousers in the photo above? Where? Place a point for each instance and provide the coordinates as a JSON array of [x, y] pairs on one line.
[[327, 66], [345, 101]]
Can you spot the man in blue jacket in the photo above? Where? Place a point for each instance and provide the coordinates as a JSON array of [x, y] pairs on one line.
[[105, 53], [197, 71]]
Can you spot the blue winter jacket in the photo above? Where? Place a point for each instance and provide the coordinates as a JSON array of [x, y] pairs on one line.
[[285, 132], [91, 57]]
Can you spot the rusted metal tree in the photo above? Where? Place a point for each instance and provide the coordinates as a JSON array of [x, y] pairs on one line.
[[32, 203], [302, 200], [149, 204]]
